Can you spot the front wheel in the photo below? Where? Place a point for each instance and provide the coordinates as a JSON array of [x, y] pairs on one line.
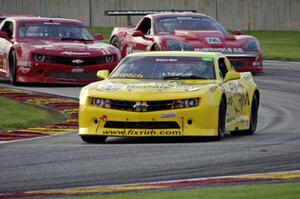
[[155, 48], [93, 138], [13, 68]]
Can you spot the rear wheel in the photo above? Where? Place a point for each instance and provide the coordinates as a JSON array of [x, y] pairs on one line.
[[116, 42], [221, 120], [93, 138], [13, 68], [253, 119]]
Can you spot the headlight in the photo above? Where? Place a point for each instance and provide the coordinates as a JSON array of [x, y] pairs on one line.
[[109, 58], [186, 103], [177, 45], [39, 57], [100, 102], [251, 45]]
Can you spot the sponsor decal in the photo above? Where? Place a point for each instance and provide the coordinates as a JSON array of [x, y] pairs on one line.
[[141, 132], [74, 53], [25, 63], [224, 50], [168, 115], [213, 40], [166, 60], [131, 75], [51, 23], [24, 69], [146, 85]]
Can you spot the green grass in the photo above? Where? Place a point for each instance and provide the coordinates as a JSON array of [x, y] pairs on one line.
[[279, 45], [105, 31], [265, 191], [14, 115], [275, 45]]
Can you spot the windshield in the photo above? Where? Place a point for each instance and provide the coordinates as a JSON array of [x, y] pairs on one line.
[[167, 25], [165, 68], [53, 30]]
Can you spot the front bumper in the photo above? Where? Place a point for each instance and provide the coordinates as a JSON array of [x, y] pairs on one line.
[[197, 121], [247, 62], [58, 73]]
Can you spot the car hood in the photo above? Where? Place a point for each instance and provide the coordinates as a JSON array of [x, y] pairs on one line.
[[149, 89], [211, 41], [68, 48]]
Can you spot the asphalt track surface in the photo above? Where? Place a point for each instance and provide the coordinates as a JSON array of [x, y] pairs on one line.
[[65, 161]]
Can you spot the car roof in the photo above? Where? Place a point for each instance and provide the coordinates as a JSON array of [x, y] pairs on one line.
[[176, 14], [177, 54], [41, 19]]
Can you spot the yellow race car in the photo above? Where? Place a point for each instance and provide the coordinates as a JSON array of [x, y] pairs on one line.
[[169, 94]]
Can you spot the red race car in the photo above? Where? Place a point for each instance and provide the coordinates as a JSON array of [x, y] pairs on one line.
[[189, 32], [52, 50]]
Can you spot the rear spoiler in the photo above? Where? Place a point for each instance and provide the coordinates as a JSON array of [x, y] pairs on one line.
[[129, 13]]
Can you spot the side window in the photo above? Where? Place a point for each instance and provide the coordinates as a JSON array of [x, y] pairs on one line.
[[145, 26], [8, 27], [222, 67]]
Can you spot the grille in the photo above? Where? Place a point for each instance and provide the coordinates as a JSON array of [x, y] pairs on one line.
[[79, 61], [152, 105], [122, 105], [73, 75], [142, 125]]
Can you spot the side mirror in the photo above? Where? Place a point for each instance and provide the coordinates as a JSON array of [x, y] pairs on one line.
[[4, 35], [138, 33], [103, 74], [232, 75], [99, 37], [237, 32]]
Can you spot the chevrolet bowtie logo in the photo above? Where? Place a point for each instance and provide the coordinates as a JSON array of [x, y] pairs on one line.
[[77, 61], [140, 106]]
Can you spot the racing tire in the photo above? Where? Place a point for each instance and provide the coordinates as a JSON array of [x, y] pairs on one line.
[[253, 119], [155, 47], [116, 42], [221, 121], [13, 68], [93, 139]]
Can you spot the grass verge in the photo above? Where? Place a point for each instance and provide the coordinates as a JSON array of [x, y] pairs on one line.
[[275, 45], [279, 45], [14, 115], [263, 191]]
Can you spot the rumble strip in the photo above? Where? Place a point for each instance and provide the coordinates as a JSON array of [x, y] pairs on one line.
[[197, 183], [67, 107]]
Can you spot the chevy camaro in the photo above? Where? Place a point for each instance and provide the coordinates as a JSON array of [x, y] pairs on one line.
[[52, 50], [169, 93], [189, 32]]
